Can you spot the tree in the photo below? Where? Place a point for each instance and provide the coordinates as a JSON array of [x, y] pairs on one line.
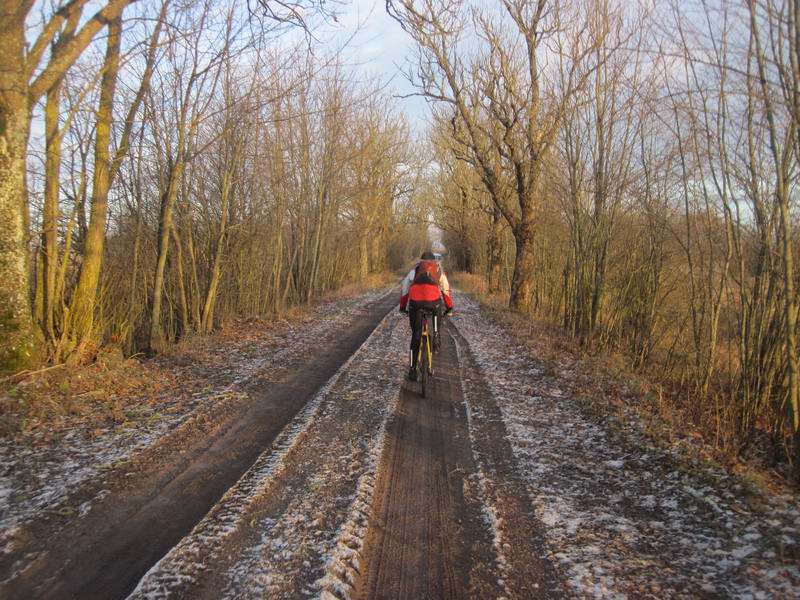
[[79, 327], [23, 81], [507, 113]]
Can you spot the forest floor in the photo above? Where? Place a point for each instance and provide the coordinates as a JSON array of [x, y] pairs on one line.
[[292, 460]]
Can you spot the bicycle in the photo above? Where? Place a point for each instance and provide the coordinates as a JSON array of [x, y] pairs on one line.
[[425, 357], [426, 349]]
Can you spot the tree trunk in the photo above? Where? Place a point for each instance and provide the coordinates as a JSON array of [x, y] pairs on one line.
[[134, 272], [38, 285], [207, 324], [53, 138], [184, 304], [84, 299], [274, 295], [522, 278], [68, 236], [363, 250], [19, 343], [377, 249], [157, 342], [50, 211], [194, 285], [317, 248], [495, 258]]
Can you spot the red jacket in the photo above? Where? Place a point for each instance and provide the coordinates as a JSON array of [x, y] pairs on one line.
[[424, 292]]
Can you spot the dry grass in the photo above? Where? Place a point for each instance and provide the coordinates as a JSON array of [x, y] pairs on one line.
[[106, 392], [477, 287], [374, 281], [111, 390]]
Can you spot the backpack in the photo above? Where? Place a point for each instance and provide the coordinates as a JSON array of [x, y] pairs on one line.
[[427, 271]]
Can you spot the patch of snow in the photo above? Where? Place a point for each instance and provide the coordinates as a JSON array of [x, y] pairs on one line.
[[343, 566], [332, 445], [37, 477]]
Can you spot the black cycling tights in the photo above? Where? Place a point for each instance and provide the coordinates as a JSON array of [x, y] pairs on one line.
[[415, 319]]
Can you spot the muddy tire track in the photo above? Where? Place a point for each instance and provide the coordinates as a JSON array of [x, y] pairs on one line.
[[427, 537], [519, 534]]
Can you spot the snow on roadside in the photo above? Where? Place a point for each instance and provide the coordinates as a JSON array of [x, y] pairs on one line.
[[262, 536], [489, 509], [624, 520], [344, 562], [34, 478]]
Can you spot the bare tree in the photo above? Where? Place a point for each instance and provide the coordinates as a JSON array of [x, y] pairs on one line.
[[507, 111], [23, 81]]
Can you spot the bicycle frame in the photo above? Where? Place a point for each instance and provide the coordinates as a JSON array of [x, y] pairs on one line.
[[425, 355], [425, 344], [425, 347]]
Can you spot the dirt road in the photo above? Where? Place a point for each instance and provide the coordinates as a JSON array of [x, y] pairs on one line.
[[376, 494], [426, 539], [338, 480], [104, 554]]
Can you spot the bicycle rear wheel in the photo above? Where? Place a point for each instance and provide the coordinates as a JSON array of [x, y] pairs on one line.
[[424, 366]]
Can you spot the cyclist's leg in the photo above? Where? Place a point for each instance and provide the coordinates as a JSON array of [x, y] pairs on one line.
[[415, 318], [412, 316], [438, 312]]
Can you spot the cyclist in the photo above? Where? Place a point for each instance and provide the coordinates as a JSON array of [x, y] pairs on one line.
[[424, 288]]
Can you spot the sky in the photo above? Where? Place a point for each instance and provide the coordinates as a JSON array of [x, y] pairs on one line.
[[378, 45]]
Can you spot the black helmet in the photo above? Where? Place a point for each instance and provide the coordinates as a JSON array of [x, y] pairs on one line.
[[428, 255]]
